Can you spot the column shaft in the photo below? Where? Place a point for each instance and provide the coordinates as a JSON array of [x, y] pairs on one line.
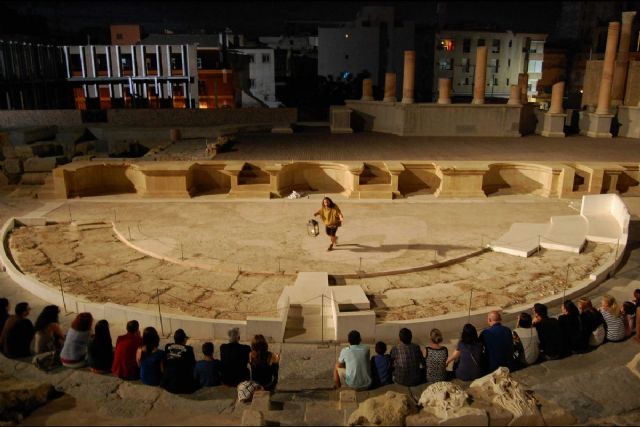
[[367, 90], [389, 87], [444, 91], [604, 94], [557, 92], [408, 76], [480, 75], [514, 95]]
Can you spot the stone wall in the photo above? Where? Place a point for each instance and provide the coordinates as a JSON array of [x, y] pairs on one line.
[[200, 117], [19, 118], [436, 119], [632, 95], [591, 82]]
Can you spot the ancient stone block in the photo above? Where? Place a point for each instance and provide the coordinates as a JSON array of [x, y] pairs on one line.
[[251, 417], [18, 398], [29, 134], [347, 396], [501, 390], [33, 178], [8, 151], [555, 415], [497, 416], [450, 405], [261, 401], [41, 164], [389, 409], [12, 166]]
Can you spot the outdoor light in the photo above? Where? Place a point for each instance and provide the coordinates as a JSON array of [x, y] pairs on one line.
[[312, 228], [346, 36]]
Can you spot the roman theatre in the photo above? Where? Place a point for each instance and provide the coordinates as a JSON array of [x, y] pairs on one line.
[[449, 212]]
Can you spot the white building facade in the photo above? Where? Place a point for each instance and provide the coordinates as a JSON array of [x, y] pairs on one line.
[[508, 54], [262, 74]]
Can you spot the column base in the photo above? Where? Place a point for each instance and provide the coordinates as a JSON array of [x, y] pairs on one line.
[[477, 101], [599, 125], [629, 118], [407, 100], [390, 99], [444, 101], [553, 125], [286, 129], [367, 98]]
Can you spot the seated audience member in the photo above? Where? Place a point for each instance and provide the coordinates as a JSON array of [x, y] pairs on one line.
[[407, 362], [614, 323], [436, 358], [264, 364], [179, 361], [235, 359], [380, 366], [124, 358], [549, 333], [593, 326], [571, 329], [528, 337], [467, 355], [352, 369], [76, 343], [497, 340], [100, 357], [629, 316], [17, 333], [48, 336], [207, 371], [149, 357], [4, 312]]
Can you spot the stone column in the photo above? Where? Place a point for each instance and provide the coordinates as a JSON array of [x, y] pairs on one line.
[[523, 82], [622, 62], [444, 91], [390, 87], [480, 75], [553, 125], [514, 95], [367, 90], [408, 76], [604, 94], [557, 92]]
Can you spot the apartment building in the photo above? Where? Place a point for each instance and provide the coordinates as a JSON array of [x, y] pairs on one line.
[[262, 82], [508, 54]]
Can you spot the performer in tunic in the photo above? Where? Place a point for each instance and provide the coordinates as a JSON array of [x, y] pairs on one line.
[[332, 218]]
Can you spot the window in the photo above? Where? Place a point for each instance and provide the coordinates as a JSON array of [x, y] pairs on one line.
[[446, 63], [465, 64], [535, 66], [508, 62], [466, 45], [199, 63], [495, 81], [510, 43], [495, 47], [480, 42], [252, 59], [494, 63], [266, 58], [447, 45], [507, 82], [119, 36], [202, 87], [466, 81], [253, 83]]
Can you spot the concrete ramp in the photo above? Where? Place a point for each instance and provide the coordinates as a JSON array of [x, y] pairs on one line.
[[521, 239]]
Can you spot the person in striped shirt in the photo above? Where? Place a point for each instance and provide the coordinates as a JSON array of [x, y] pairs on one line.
[[614, 322]]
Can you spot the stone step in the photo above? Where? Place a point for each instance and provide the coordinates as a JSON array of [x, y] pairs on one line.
[[321, 413]]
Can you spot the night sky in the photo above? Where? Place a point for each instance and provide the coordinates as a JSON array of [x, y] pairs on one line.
[[262, 17]]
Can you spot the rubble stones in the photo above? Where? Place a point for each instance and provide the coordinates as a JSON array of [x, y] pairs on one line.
[[389, 409]]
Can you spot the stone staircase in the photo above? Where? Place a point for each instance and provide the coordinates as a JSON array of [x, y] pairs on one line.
[[309, 324], [47, 190]]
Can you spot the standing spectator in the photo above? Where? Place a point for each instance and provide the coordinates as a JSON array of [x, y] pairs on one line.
[[235, 359], [592, 323], [498, 343], [17, 333], [380, 366], [207, 371], [407, 362], [48, 336], [528, 336], [467, 354], [4, 312], [436, 358], [101, 349], [352, 368], [179, 361], [149, 357], [264, 364], [549, 333], [571, 329], [614, 324], [76, 344], [124, 359]]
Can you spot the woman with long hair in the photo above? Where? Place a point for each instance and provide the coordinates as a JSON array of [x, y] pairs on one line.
[[614, 323], [571, 328], [332, 218], [76, 344], [149, 357], [593, 325], [49, 335], [101, 349], [264, 364], [467, 355], [527, 335]]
